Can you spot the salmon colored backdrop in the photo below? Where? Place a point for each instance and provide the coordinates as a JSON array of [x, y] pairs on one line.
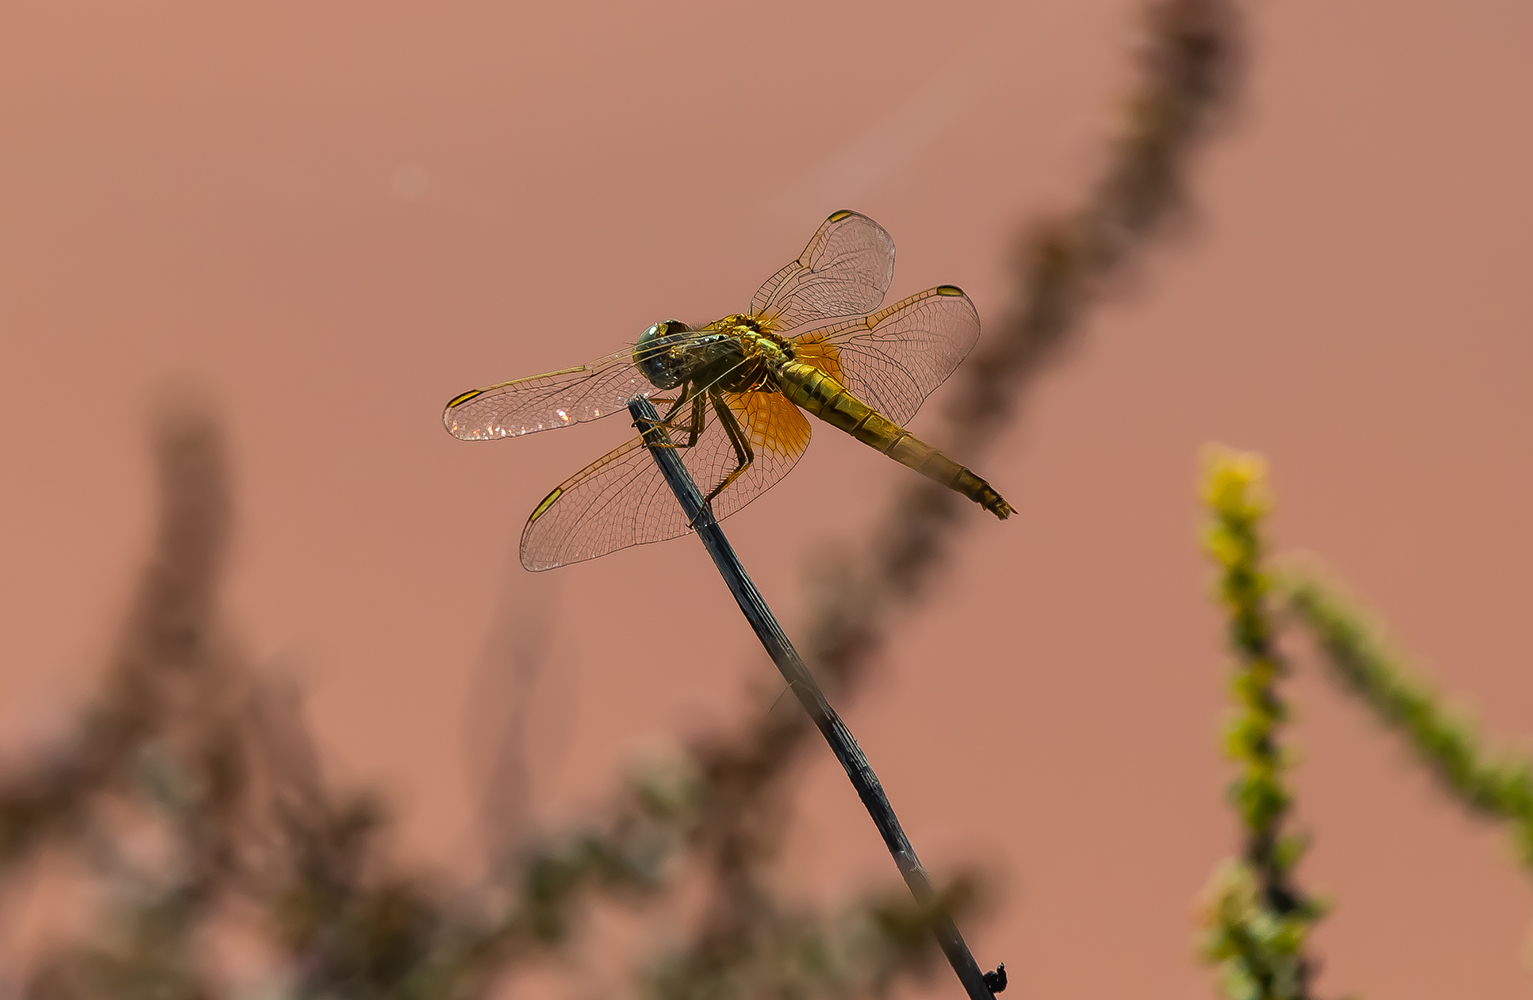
[[336, 215]]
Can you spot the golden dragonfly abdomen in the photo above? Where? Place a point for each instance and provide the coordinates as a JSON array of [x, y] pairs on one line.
[[820, 394]]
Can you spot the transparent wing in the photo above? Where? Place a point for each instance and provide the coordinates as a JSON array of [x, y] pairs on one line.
[[539, 402], [617, 501], [621, 499], [894, 358], [844, 271]]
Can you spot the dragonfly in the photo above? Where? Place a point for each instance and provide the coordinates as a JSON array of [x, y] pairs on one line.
[[735, 393]]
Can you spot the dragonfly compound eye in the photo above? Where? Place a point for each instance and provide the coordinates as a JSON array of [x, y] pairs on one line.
[[657, 355]]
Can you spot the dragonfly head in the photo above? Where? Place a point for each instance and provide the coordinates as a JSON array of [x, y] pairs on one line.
[[656, 356]]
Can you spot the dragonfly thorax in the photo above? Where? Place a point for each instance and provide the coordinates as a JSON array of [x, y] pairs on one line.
[[758, 354]]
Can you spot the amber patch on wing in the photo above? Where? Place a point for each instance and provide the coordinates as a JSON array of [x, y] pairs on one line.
[[817, 352], [771, 423]]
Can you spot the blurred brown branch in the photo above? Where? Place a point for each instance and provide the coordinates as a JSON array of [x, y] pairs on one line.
[[1189, 64], [167, 650], [1189, 73]]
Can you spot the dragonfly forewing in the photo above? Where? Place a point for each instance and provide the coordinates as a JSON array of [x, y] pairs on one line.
[[543, 402]]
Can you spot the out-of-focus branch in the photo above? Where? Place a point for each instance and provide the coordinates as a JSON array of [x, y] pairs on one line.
[[188, 748], [1189, 66], [155, 737], [1257, 918], [166, 643], [1487, 783]]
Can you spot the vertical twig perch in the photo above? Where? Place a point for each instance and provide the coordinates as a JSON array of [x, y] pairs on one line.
[[803, 684]]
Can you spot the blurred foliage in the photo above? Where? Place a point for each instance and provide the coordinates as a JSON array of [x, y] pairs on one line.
[[1256, 917], [190, 795], [189, 803], [1499, 786]]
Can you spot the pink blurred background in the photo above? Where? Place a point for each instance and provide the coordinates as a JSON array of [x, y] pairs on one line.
[[335, 216]]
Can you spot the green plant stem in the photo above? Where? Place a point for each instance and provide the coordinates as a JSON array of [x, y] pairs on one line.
[[1259, 917], [1498, 786]]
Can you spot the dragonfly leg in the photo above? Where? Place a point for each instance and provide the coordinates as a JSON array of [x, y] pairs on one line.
[[695, 429], [698, 414], [743, 453]]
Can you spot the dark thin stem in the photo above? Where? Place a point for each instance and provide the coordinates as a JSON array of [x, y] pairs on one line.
[[808, 691]]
